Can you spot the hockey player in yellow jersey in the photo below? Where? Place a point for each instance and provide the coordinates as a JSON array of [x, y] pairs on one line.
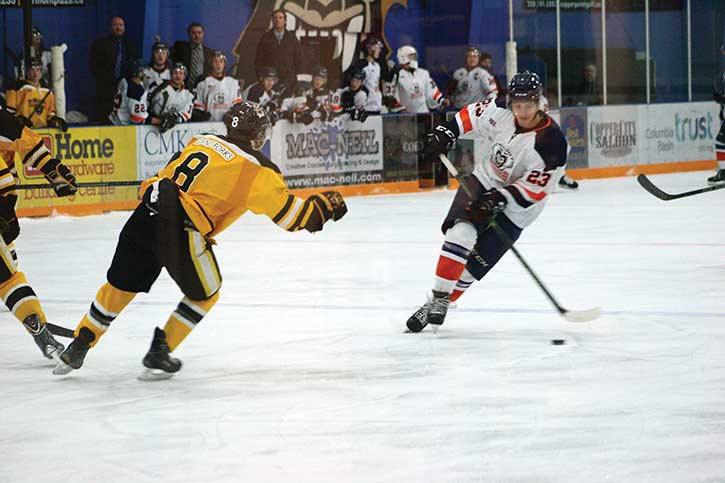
[[202, 191], [33, 104], [15, 291]]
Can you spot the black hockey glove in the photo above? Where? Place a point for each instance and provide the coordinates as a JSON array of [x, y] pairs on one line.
[[359, 115], [8, 219], [168, 121], [331, 206], [719, 98], [486, 208], [60, 177], [439, 141], [58, 122]]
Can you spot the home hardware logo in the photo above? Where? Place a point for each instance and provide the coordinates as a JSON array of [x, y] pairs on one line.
[[68, 148]]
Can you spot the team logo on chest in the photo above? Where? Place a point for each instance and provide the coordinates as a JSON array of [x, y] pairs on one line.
[[219, 98], [502, 161]]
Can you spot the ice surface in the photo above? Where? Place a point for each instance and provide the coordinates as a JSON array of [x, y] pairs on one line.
[[302, 373]]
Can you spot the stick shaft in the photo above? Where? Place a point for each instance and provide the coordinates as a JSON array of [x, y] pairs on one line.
[[89, 184]]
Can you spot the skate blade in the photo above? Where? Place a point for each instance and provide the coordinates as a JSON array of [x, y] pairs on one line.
[[54, 355], [61, 369], [434, 328], [154, 375]]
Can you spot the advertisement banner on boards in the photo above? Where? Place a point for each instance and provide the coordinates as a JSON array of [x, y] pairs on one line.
[[574, 126], [680, 132], [614, 136], [340, 152], [156, 148], [92, 154]]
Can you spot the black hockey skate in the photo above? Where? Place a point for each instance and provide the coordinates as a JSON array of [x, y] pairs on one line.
[[438, 310], [568, 183], [50, 347], [433, 312], [72, 358], [718, 178], [419, 319], [159, 364]]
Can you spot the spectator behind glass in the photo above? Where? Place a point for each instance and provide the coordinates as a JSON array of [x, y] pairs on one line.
[[158, 70], [170, 102], [217, 92], [194, 54], [280, 49], [109, 55], [33, 104], [588, 93], [39, 55]]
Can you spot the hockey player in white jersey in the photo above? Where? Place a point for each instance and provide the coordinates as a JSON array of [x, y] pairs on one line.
[[217, 92], [375, 70], [262, 92], [170, 102], [353, 98], [413, 87], [158, 71], [129, 105], [526, 154], [473, 83]]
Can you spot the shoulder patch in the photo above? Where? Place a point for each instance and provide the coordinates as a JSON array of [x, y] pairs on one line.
[[134, 91], [551, 146]]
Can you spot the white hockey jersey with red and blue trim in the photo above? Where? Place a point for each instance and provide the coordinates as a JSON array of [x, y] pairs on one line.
[[475, 85], [523, 165], [216, 96], [416, 91], [129, 106]]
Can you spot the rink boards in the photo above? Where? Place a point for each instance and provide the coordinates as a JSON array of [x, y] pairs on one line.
[[377, 156]]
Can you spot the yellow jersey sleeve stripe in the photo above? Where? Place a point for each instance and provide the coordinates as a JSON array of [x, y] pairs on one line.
[[288, 219], [288, 204], [303, 213]]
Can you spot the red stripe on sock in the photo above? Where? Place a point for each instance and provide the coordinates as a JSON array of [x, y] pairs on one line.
[[720, 155], [449, 269]]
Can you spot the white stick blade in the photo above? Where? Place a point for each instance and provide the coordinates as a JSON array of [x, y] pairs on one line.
[[582, 315]]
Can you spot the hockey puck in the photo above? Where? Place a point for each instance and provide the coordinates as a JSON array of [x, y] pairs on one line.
[[558, 341]]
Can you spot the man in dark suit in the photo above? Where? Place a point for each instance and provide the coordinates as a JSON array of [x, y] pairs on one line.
[[280, 49], [108, 58], [194, 54]]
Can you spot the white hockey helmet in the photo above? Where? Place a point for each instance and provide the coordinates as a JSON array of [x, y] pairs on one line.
[[408, 55]]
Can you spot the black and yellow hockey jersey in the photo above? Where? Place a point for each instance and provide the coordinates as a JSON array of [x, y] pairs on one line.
[[219, 182], [15, 138], [27, 99]]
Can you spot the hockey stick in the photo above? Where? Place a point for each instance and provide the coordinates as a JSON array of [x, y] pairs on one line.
[[570, 315], [90, 184], [655, 191], [59, 330]]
